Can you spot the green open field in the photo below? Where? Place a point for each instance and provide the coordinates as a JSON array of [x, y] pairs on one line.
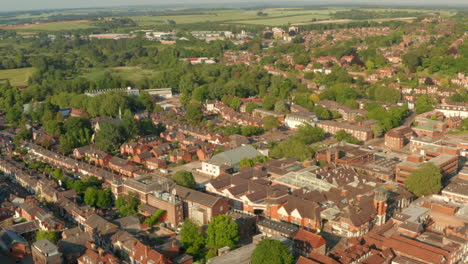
[[276, 16], [126, 73], [56, 26], [16, 76]]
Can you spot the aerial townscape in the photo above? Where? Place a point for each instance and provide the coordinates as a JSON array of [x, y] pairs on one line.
[[233, 133]]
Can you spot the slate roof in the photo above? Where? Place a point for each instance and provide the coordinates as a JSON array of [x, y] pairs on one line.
[[234, 156], [100, 224], [196, 196]]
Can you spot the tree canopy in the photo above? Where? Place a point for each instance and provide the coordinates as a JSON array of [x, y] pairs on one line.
[[270, 251], [184, 178], [192, 237], [424, 104], [49, 234], [270, 122], [127, 204], [309, 134], [426, 180], [222, 232], [343, 136]]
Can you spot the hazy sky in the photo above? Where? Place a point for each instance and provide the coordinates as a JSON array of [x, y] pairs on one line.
[[9, 5]]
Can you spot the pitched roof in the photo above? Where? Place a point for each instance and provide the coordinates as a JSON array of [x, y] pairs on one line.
[[234, 156], [100, 224], [314, 240], [304, 260], [196, 196]]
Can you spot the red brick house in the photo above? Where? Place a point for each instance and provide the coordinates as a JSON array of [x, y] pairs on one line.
[[180, 155], [128, 148], [199, 206], [155, 163], [97, 255], [305, 242], [94, 155], [142, 157], [144, 254]]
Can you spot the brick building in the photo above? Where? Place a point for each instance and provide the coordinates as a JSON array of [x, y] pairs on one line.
[[45, 252], [360, 132], [397, 138], [448, 164]]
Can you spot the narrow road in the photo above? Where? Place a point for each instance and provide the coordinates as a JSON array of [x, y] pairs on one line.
[[410, 119]]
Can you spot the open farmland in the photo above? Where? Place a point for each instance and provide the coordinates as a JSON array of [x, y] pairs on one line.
[[53, 26], [274, 17], [16, 76]]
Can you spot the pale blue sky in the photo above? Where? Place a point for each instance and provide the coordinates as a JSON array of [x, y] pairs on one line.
[[9, 5]]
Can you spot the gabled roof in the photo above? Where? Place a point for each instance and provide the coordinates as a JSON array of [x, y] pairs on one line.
[[234, 156], [100, 224], [196, 196], [314, 240]]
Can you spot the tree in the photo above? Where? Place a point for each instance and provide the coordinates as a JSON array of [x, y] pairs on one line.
[[270, 122], [309, 134], [194, 112], [200, 94], [370, 64], [154, 219], [270, 251], [281, 108], [184, 178], [292, 148], [250, 107], [298, 39], [424, 104], [104, 198], [343, 136], [91, 196], [49, 234], [322, 112], [412, 59], [245, 162], [314, 98], [301, 58], [248, 131], [52, 127], [127, 204], [377, 130], [129, 127], [387, 94], [109, 137], [222, 232], [269, 102], [426, 180], [191, 237]]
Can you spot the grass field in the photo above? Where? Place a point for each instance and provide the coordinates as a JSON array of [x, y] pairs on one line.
[[16, 76], [56, 26], [126, 73], [276, 16]]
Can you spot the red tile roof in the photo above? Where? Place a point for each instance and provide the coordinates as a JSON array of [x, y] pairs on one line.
[[314, 240]]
